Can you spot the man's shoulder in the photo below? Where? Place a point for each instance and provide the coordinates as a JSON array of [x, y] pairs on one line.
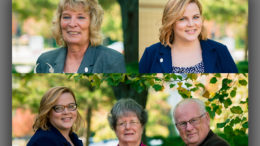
[[215, 140]]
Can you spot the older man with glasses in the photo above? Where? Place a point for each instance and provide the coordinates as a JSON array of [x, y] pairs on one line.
[[193, 122]]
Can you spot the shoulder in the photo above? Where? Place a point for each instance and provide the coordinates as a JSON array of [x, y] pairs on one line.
[[214, 45], [108, 61], [50, 55], [215, 140], [43, 137], [155, 47], [105, 51]]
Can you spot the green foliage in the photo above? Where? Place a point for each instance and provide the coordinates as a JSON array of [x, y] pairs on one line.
[[213, 80], [242, 66]]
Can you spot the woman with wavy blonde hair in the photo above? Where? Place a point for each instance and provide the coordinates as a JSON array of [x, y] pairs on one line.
[[57, 120], [77, 27], [183, 46]]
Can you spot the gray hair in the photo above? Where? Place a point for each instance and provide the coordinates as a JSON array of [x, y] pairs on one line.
[[200, 104], [122, 108]]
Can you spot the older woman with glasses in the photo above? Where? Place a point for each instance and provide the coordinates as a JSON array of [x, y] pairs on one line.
[[57, 119], [127, 118]]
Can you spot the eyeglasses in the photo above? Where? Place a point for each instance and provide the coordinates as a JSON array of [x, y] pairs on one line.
[[131, 123], [61, 108], [193, 122]]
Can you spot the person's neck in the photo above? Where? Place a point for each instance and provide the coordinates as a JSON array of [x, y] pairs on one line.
[[185, 46], [129, 143], [76, 51]]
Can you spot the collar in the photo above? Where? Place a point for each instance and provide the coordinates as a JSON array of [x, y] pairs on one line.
[[86, 65], [72, 135], [165, 58], [210, 134], [60, 60], [208, 57]]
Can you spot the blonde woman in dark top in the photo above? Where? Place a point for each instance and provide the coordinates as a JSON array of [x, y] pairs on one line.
[[183, 46], [77, 27]]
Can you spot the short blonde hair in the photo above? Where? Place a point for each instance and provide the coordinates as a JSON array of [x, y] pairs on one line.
[[47, 102], [92, 7], [173, 10]]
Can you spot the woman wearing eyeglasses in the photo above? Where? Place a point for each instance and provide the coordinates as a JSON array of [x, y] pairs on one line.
[[127, 118], [57, 120]]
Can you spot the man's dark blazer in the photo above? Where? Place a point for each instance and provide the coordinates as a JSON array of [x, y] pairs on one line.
[[213, 140], [98, 59], [215, 56], [52, 137]]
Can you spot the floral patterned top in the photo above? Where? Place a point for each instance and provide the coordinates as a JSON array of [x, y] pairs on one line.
[[198, 68]]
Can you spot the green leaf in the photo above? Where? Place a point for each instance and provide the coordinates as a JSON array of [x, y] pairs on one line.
[[194, 89], [157, 87], [243, 82], [211, 113], [245, 125], [228, 130], [221, 125], [188, 85], [227, 103], [213, 80], [179, 77], [235, 121], [172, 85], [233, 93], [236, 110], [217, 75], [200, 85]]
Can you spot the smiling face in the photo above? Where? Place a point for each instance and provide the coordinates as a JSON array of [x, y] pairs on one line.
[[192, 134], [63, 121], [129, 129], [188, 27], [75, 26]]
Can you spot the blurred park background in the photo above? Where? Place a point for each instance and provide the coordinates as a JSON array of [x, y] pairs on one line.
[[225, 96], [226, 22], [31, 31]]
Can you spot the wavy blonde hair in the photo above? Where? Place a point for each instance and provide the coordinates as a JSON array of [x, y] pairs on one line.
[[48, 100], [173, 10], [92, 7]]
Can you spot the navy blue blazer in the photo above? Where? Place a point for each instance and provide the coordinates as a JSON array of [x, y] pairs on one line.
[[215, 56], [52, 137], [97, 59]]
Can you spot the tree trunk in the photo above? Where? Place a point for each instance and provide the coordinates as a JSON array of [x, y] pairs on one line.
[[88, 119], [129, 13]]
